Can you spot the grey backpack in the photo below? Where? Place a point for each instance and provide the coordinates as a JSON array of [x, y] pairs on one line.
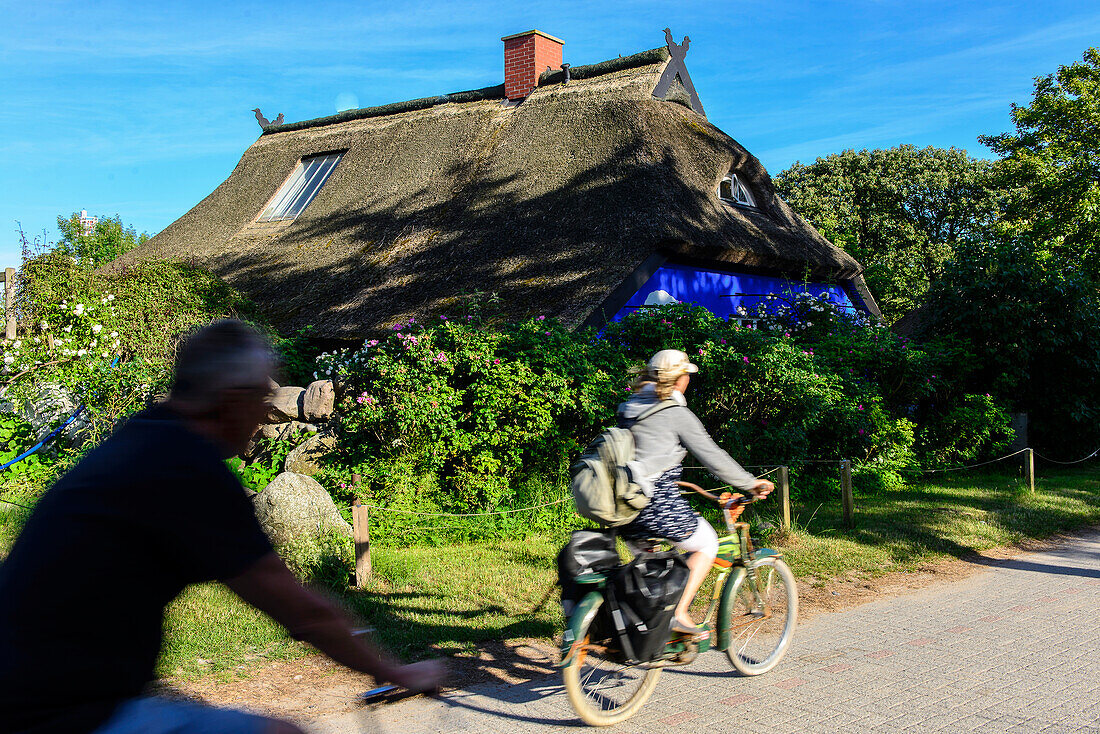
[[602, 486]]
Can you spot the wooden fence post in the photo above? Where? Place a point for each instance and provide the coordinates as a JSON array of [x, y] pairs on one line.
[[1029, 469], [9, 303], [783, 484], [360, 528], [846, 492]]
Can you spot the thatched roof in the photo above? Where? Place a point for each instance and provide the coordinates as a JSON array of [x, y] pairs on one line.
[[551, 204]]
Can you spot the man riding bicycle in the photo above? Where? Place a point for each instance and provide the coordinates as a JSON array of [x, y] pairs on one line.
[[149, 511]]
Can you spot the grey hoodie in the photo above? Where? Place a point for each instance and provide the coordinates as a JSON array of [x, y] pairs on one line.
[[663, 439]]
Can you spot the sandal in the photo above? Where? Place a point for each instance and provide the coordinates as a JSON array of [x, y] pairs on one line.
[[683, 629]]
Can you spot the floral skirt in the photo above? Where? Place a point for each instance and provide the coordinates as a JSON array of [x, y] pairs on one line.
[[668, 515]]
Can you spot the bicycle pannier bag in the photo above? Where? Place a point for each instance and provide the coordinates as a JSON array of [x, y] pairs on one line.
[[602, 485], [588, 551], [643, 595]]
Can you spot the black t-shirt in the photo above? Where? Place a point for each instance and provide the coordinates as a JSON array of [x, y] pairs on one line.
[[83, 591]]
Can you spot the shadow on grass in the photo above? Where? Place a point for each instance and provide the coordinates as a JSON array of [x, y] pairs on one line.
[[960, 516], [489, 637]]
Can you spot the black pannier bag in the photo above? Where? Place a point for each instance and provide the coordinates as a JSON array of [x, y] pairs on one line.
[[642, 597], [588, 551]]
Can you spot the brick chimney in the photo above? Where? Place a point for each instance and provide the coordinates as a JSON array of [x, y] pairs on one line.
[[526, 56]]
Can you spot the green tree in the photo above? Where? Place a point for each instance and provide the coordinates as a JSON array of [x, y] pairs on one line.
[[1051, 164], [901, 212], [108, 239]]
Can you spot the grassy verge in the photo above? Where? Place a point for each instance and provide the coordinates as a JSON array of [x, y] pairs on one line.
[[451, 598]]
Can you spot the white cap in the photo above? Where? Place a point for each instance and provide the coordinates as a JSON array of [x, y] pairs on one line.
[[669, 363]]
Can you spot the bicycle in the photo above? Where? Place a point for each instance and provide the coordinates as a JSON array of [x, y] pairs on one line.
[[757, 607]]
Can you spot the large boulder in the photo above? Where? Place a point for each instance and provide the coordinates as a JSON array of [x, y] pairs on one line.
[[275, 431], [284, 431], [294, 507], [306, 457], [51, 405], [285, 404], [319, 400]]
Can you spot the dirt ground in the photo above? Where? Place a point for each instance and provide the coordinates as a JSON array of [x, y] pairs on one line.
[[311, 688]]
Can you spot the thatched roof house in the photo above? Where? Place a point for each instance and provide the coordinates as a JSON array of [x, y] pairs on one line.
[[563, 196]]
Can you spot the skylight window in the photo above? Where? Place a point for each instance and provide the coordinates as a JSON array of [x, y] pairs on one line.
[[298, 190], [733, 189]]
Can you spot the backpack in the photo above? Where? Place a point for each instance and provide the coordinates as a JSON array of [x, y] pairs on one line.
[[588, 551], [602, 486], [642, 596]]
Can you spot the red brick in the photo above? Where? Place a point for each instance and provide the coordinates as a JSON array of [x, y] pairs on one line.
[[838, 668], [738, 699], [880, 654], [921, 641], [789, 683]]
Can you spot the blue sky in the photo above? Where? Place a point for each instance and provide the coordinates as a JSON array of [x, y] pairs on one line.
[[141, 109]]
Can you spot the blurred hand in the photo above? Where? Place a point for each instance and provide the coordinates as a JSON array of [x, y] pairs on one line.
[[427, 675], [763, 488]]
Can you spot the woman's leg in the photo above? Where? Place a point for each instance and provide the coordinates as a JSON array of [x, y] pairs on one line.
[[703, 548]]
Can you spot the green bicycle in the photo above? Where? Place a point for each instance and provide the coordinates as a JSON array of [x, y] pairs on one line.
[[757, 607]]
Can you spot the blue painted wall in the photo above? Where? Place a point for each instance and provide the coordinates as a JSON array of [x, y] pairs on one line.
[[712, 289]]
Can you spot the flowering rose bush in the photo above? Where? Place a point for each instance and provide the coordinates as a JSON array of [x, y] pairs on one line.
[[108, 340], [462, 414], [481, 407]]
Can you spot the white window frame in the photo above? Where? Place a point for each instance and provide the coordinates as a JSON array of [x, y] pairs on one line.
[[740, 194], [300, 187]]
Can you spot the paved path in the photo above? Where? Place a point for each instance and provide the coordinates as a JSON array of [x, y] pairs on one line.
[[1015, 648]]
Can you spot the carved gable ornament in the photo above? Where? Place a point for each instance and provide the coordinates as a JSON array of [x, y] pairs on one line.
[[675, 81]]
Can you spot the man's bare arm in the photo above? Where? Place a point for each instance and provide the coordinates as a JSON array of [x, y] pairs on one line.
[[269, 586]]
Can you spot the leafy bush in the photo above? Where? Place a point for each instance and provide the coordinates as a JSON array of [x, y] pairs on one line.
[[109, 340], [481, 406], [267, 464], [475, 415]]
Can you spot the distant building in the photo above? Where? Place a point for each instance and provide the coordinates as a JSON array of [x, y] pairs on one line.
[[579, 192], [87, 224]]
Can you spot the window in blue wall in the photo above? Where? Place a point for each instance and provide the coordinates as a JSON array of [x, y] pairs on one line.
[[725, 293]]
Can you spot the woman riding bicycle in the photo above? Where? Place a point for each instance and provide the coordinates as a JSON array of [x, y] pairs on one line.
[[661, 441]]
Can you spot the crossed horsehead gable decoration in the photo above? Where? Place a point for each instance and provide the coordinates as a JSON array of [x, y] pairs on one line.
[[677, 70]]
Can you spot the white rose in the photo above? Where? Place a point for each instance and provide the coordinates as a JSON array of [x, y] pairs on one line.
[[78, 309], [68, 328], [81, 352], [114, 334], [111, 297], [97, 328], [9, 359]]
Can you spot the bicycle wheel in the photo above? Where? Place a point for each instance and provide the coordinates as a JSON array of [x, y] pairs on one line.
[[601, 688], [761, 620]]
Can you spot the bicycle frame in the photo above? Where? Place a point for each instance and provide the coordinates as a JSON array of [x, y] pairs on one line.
[[736, 563]]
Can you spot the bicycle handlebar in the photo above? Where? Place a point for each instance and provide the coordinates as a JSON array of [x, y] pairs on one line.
[[726, 504]]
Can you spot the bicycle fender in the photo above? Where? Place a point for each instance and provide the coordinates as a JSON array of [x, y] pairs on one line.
[[725, 605], [580, 618]]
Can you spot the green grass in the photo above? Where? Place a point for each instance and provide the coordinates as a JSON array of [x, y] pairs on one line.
[[902, 530], [422, 601], [427, 601]]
